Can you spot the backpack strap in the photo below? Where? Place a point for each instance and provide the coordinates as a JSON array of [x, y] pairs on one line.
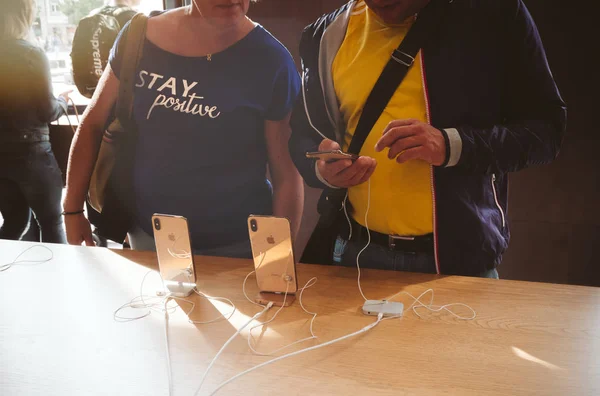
[[131, 58], [119, 201]]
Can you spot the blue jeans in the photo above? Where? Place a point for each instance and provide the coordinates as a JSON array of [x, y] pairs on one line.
[[380, 257], [30, 180]]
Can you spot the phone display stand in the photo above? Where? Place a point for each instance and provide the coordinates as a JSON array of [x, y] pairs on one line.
[[277, 299]]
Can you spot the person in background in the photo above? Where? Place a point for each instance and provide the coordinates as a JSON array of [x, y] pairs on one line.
[[30, 179], [430, 190], [128, 9], [213, 96]]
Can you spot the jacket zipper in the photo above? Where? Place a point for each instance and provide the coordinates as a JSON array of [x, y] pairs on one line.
[[496, 199], [428, 113]]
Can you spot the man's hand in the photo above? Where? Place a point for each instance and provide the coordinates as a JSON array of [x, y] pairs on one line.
[[413, 139], [344, 173]]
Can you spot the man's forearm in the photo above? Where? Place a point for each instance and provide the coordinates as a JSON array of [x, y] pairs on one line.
[[288, 202]]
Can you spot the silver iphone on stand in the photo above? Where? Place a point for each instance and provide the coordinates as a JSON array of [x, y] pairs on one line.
[[174, 252]]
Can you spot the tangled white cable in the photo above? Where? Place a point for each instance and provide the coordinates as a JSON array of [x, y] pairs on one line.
[[274, 360], [17, 262], [251, 339], [417, 300], [160, 304], [414, 306], [433, 308], [308, 284], [256, 316]]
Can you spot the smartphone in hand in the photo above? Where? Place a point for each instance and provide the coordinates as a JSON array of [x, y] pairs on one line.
[[330, 156]]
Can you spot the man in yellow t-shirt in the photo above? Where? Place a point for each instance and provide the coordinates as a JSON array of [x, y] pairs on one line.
[[429, 191], [397, 155]]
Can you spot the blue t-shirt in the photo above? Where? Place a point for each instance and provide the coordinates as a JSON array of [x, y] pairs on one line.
[[201, 151]]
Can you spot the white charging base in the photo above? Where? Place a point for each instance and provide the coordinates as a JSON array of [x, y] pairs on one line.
[[387, 308]]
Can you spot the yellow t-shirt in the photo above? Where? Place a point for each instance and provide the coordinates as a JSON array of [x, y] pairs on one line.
[[401, 194]]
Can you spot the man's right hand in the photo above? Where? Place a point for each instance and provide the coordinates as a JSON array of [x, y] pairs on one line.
[[78, 230], [345, 173]]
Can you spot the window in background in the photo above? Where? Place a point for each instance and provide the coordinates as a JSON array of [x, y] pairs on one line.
[[54, 28]]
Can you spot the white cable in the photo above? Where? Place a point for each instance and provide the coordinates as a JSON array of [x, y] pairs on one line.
[[184, 254], [311, 282], [161, 306], [413, 306], [363, 330], [253, 272], [17, 262], [306, 286], [312, 320], [133, 303], [430, 306], [169, 368], [368, 240], [221, 316], [306, 108], [244, 290], [251, 337], [347, 217], [435, 308], [258, 315], [246, 279]]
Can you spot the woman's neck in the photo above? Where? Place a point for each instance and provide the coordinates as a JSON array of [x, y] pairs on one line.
[[220, 36]]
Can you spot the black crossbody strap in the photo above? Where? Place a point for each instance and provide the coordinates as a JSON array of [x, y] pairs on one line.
[[396, 69]]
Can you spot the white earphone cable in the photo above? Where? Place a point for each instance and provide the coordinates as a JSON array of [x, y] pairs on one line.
[[255, 317], [417, 303], [17, 262], [363, 330], [168, 349], [251, 338], [160, 305]]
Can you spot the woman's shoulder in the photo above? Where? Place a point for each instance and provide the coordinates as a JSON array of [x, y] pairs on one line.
[[270, 46], [163, 20]]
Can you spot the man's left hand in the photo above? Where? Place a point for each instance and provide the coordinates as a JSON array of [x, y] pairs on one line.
[[413, 139]]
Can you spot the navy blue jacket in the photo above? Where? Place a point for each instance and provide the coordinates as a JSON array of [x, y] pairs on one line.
[[488, 84]]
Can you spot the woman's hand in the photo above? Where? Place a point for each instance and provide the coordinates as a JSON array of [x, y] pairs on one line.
[[65, 95], [79, 230]]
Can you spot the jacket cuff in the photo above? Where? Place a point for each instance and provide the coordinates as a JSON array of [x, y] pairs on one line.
[[453, 146], [321, 179]]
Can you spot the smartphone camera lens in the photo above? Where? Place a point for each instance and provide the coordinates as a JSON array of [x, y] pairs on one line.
[[157, 224], [253, 225]]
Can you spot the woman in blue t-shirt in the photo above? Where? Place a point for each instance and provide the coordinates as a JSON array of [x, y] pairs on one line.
[[213, 96]]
